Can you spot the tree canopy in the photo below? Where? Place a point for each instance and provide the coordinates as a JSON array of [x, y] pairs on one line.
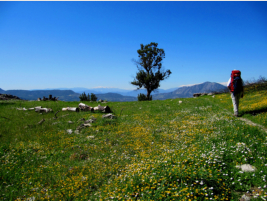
[[150, 68]]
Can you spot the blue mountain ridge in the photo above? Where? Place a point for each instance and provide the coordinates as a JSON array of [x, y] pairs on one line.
[[114, 94]]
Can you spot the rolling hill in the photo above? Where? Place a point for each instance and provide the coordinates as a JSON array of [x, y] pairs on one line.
[[70, 95], [187, 92], [114, 97], [64, 95]]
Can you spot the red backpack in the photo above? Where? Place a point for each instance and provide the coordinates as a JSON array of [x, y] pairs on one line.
[[235, 75]]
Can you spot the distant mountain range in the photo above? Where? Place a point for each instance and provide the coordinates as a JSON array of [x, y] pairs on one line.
[[123, 92], [114, 97], [115, 94], [66, 95], [187, 92]]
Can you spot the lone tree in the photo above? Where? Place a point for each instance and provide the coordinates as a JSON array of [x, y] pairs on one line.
[[149, 66]]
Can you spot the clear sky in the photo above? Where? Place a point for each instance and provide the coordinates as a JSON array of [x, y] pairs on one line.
[[91, 44]]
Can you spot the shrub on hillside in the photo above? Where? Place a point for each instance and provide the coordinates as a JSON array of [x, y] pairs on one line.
[[142, 97], [93, 97], [83, 97], [256, 85]]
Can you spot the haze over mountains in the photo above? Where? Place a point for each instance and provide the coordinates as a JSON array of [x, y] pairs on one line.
[[115, 94], [103, 90], [188, 91]]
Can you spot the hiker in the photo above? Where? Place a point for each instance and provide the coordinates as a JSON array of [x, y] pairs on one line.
[[235, 85]]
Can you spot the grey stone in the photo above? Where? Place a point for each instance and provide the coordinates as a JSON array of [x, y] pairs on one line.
[[89, 121], [244, 198], [82, 119], [109, 116], [246, 168], [90, 137]]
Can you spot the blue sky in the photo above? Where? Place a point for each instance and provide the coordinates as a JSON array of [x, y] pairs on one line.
[[92, 44]]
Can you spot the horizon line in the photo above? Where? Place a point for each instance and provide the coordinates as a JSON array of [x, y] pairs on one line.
[[102, 87]]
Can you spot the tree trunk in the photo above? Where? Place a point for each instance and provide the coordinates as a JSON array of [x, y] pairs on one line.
[[148, 94]]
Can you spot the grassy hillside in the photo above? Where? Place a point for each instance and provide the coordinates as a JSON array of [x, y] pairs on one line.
[[157, 150]]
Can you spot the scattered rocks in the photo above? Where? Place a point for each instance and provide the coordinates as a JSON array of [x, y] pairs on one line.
[[197, 94], [102, 101], [244, 198], [50, 98], [22, 109], [105, 109], [109, 116], [246, 168], [204, 94], [90, 137], [30, 199], [87, 125], [40, 109], [89, 121], [79, 128], [83, 126], [42, 121], [8, 97], [93, 118], [82, 119], [85, 107], [73, 109], [56, 123]]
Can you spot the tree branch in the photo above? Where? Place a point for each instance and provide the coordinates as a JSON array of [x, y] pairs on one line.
[[56, 114]]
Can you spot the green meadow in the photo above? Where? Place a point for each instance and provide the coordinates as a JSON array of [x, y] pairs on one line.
[[153, 150]]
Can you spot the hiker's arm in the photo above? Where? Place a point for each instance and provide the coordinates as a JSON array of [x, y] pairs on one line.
[[229, 84], [242, 89]]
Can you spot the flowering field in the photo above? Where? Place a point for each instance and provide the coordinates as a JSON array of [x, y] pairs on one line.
[[253, 106], [156, 150]]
